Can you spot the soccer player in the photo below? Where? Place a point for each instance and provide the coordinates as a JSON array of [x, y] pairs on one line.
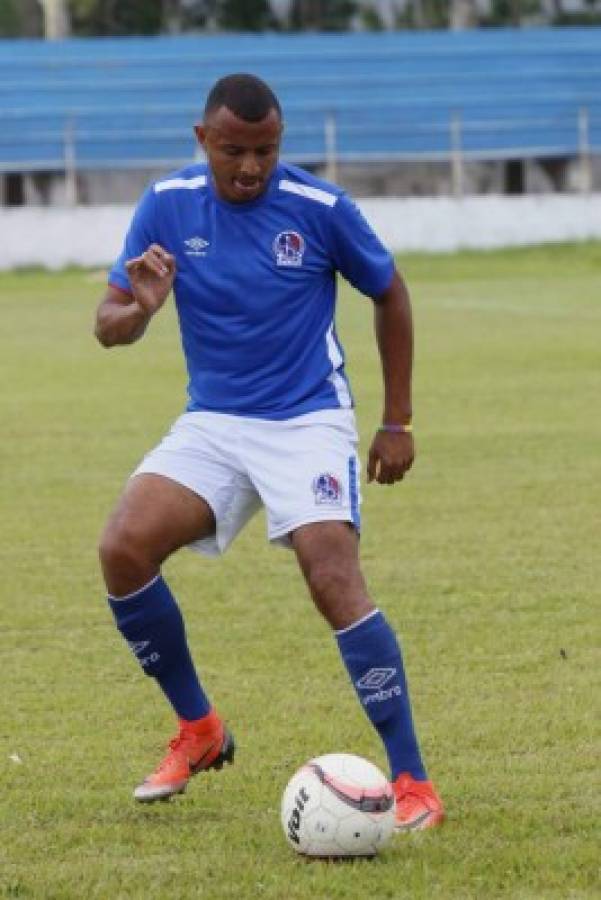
[[251, 247]]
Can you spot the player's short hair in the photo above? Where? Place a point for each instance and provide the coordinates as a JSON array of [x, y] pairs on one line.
[[246, 96]]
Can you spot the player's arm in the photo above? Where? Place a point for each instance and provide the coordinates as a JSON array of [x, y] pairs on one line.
[[392, 452], [122, 317]]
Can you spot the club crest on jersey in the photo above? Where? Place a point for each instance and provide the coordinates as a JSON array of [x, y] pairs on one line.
[[327, 489], [289, 248]]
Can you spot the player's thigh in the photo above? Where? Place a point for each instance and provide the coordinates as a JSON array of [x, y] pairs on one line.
[[331, 548], [200, 453], [157, 515]]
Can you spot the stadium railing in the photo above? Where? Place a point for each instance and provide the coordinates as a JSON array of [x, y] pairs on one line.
[[125, 103]]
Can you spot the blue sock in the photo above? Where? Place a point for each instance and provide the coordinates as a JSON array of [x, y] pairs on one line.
[[372, 657], [152, 625]]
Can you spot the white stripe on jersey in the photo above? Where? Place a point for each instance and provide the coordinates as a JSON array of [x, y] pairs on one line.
[[342, 391], [187, 183], [338, 382], [334, 354], [312, 193]]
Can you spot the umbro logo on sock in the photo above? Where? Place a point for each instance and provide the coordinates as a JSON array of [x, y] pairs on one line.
[[381, 696], [375, 679], [137, 647]]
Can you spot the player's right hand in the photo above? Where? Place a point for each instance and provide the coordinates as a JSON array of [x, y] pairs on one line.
[[151, 277]]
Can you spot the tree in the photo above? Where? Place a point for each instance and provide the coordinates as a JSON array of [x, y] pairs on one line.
[[21, 18], [10, 22], [424, 14], [322, 15], [511, 12], [114, 17], [371, 20], [245, 15]]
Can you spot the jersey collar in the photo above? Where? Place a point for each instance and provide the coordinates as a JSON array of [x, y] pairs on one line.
[[249, 204]]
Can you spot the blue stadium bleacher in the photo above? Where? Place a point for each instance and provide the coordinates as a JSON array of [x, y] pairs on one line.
[[125, 102]]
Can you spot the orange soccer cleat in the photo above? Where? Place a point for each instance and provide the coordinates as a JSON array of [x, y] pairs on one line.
[[206, 744], [418, 806]]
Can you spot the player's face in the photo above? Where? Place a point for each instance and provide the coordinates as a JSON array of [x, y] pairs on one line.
[[241, 154]]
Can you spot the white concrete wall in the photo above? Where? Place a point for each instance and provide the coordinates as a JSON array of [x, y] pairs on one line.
[[92, 236], [445, 224]]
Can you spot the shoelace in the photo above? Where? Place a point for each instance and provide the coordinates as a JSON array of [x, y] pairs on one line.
[[405, 802], [411, 789], [175, 744]]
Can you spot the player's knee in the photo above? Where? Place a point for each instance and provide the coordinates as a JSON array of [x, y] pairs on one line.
[[122, 550], [329, 581], [338, 591]]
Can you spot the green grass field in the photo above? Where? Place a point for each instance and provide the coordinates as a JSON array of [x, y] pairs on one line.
[[486, 560]]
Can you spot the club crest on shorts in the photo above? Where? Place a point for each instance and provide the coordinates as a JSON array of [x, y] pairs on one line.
[[327, 489], [289, 247]]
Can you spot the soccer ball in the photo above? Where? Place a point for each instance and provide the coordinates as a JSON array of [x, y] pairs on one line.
[[338, 805]]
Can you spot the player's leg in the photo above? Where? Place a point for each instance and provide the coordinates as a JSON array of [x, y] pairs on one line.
[[155, 517], [306, 471], [327, 553]]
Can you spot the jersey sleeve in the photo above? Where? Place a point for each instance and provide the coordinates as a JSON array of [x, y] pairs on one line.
[[141, 233], [358, 253]]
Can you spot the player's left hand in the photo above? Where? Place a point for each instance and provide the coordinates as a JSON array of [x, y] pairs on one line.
[[390, 457]]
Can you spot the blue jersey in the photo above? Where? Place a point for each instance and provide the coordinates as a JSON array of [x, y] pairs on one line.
[[255, 287]]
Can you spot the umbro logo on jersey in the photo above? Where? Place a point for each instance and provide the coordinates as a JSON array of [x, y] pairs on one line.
[[197, 246]]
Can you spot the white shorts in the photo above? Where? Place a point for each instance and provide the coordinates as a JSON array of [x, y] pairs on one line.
[[302, 470]]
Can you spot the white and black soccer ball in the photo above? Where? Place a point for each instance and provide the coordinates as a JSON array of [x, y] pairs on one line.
[[338, 805]]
